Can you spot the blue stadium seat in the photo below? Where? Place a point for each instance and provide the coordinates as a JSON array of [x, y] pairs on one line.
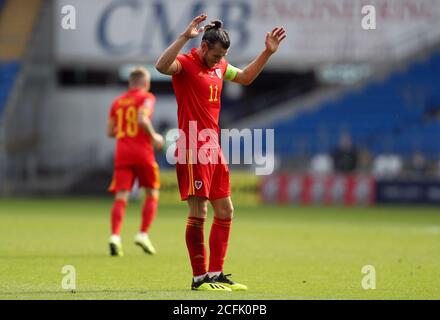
[[8, 72], [387, 115]]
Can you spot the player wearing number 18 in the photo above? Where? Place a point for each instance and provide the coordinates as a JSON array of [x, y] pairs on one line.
[[130, 123]]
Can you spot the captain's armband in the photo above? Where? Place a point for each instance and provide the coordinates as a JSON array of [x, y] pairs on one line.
[[231, 73]]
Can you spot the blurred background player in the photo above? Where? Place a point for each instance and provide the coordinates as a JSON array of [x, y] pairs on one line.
[[197, 82], [130, 123]]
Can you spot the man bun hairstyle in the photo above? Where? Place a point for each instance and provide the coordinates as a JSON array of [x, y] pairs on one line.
[[214, 33]]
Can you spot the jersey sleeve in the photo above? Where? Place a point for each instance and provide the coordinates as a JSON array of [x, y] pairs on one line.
[[149, 104], [183, 60]]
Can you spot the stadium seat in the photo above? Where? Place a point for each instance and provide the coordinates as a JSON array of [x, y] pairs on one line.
[[8, 72], [385, 116]]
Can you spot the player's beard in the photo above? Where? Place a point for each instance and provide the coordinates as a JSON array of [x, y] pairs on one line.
[[205, 60]]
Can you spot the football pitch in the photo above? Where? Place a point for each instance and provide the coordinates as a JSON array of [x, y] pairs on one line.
[[278, 252]]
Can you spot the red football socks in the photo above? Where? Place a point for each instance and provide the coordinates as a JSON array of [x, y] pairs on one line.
[[218, 243], [148, 213], [118, 212], [195, 243]]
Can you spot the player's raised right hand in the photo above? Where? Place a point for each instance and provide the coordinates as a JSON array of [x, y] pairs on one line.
[[193, 29]]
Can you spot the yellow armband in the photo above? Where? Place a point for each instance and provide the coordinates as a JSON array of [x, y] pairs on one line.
[[231, 73]]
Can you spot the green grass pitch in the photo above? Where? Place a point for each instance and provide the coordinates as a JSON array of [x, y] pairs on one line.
[[279, 252]]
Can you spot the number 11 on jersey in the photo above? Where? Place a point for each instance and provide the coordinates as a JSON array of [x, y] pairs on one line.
[[213, 93]]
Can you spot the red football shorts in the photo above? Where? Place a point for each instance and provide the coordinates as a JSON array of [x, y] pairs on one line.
[[124, 177], [209, 180]]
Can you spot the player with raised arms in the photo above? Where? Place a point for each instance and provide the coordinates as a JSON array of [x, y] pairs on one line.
[[197, 79]]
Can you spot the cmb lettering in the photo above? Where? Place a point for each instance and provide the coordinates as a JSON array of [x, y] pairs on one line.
[[158, 23]]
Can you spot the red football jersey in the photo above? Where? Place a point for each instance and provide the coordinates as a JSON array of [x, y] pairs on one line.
[[133, 145], [198, 89]]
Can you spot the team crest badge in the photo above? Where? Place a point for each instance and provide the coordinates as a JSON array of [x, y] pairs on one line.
[[198, 184], [219, 73]]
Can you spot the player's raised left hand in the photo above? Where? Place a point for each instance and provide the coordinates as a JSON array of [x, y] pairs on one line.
[[274, 38]]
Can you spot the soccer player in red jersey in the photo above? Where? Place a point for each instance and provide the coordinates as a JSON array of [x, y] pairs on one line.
[[197, 81], [130, 123]]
